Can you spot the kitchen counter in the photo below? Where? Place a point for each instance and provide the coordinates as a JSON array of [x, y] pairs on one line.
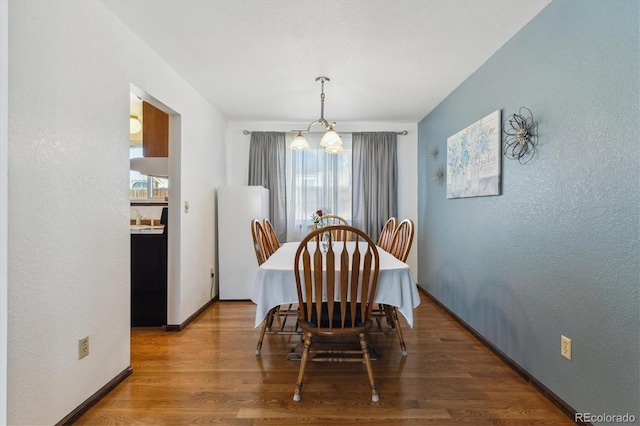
[[147, 229]]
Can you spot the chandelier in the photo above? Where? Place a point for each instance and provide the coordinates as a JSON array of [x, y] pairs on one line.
[[331, 141]]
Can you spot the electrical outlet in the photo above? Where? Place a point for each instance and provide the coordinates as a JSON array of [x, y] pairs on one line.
[[565, 347], [83, 347]]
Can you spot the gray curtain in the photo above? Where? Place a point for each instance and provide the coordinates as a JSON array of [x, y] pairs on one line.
[[375, 180], [267, 168]]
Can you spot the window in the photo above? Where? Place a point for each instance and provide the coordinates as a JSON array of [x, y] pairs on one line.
[[317, 180], [143, 187]]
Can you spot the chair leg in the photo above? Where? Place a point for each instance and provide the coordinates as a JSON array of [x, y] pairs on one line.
[[403, 347], [388, 314], [377, 317], [266, 324], [303, 365], [367, 363], [270, 316]]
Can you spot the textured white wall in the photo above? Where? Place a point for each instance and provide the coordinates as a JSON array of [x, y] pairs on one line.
[[4, 74], [203, 169], [237, 152], [70, 69]]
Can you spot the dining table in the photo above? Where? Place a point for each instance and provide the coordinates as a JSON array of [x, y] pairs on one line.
[[275, 282]]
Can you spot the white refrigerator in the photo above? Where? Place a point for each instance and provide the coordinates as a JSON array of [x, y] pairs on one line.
[[237, 264]]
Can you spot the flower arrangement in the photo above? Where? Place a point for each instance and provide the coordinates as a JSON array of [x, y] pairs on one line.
[[316, 216], [318, 224]]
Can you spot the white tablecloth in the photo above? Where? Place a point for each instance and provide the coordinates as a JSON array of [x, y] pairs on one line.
[[275, 283]]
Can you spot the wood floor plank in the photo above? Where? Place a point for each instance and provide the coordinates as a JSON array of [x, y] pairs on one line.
[[209, 374]]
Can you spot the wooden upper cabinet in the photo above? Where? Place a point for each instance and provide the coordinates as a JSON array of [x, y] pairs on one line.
[[155, 132]]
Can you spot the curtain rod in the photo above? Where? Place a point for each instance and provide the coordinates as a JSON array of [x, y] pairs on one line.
[[248, 132]]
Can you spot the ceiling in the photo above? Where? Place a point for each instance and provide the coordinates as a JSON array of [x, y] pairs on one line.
[[388, 60]]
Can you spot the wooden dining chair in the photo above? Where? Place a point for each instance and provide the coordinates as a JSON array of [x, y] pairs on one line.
[[261, 244], [402, 240], [400, 247], [263, 249], [382, 311], [335, 298], [388, 231], [271, 234], [331, 219]]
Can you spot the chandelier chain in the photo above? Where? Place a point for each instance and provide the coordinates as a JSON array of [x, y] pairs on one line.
[[322, 81]]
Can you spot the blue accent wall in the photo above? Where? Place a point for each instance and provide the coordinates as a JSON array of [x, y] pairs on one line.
[[559, 251]]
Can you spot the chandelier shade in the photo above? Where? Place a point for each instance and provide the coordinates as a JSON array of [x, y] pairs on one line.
[[336, 149], [331, 139], [299, 143]]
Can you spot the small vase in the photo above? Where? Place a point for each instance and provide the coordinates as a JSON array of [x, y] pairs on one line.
[[324, 243]]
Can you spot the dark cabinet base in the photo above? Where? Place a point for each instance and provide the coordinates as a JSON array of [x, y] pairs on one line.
[[148, 280]]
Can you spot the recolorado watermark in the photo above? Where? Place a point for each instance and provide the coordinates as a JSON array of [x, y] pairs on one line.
[[604, 418]]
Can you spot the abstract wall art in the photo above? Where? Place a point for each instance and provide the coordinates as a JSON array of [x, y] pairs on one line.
[[474, 159]]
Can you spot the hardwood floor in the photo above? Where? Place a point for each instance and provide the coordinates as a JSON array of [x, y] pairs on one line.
[[209, 374]]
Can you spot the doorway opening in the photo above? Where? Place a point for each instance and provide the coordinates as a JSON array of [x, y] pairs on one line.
[[154, 216]]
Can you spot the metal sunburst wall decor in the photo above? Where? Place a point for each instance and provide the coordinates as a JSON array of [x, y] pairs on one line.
[[433, 152], [438, 175], [521, 136]]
